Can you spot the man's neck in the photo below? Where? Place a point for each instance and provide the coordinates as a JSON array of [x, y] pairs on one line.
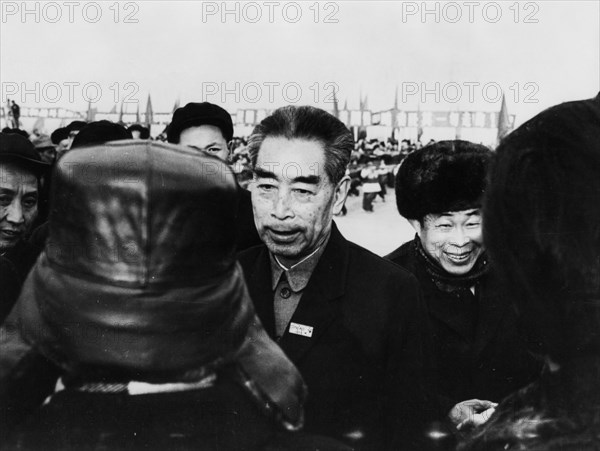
[[289, 262]]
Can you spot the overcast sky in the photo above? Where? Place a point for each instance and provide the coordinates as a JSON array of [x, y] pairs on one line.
[[266, 54]]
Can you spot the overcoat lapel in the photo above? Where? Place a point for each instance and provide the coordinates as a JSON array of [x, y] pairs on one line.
[[258, 279], [441, 308], [491, 312], [319, 304]]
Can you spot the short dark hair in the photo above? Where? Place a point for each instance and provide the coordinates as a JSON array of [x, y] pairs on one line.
[[100, 132], [311, 124], [197, 114], [542, 224], [144, 132]]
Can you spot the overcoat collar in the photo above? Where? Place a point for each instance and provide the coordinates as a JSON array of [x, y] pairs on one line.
[[491, 310], [319, 304]]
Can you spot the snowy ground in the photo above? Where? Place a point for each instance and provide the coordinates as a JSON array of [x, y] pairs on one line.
[[381, 231]]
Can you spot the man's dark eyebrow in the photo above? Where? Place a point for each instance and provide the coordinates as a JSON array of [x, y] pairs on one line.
[[264, 174], [7, 191], [192, 146], [309, 179], [475, 211]]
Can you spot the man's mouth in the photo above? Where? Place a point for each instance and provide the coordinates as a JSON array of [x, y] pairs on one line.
[[458, 257], [9, 234], [283, 235]]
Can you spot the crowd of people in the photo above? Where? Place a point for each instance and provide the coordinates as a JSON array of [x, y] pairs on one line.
[[193, 291]]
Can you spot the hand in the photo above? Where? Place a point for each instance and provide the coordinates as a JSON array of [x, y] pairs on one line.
[[473, 412]]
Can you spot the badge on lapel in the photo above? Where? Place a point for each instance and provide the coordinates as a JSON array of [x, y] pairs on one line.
[[301, 329]]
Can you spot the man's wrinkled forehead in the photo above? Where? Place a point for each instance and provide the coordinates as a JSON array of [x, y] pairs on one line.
[[470, 213], [12, 173], [291, 176], [295, 159]]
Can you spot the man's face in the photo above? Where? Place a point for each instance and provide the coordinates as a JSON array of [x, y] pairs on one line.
[[293, 198], [48, 154], [72, 135], [207, 138], [18, 204], [452, 239]]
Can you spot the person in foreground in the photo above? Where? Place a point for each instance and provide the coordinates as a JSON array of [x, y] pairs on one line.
[[140, 301], [351, 321], [542, 228]]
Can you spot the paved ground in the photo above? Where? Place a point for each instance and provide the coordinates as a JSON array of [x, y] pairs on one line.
[[381, 231]]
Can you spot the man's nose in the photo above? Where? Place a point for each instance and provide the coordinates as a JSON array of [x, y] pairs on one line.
[[14, 213], [460, 237], [282, 208]]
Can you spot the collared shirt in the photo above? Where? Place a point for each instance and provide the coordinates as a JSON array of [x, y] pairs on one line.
[[288, 285]]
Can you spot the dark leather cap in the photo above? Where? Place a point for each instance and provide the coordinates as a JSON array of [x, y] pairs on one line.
[[138, 280]]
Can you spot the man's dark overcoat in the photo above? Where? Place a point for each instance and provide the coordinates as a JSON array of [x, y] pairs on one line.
[[363, 362], [218, 418], [490, 365]]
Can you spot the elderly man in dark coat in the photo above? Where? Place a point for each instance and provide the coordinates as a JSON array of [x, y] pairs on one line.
[[479, 350], [351, 321], [138, 298]]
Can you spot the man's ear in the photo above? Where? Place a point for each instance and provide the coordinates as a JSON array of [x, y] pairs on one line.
[[416, 224], [341, 192], [229, 150]]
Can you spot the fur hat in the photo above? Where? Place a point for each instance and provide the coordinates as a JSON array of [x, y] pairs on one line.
[[444, 176]]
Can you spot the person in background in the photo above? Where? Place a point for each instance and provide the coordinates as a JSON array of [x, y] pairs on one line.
[[15, 110], [208, 128], [542, 228], [45, 147], [15, 131], [99, 132], [139, 131], [480, 351], [382, 174], [370, 185], [21, 173], [60, 139]]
